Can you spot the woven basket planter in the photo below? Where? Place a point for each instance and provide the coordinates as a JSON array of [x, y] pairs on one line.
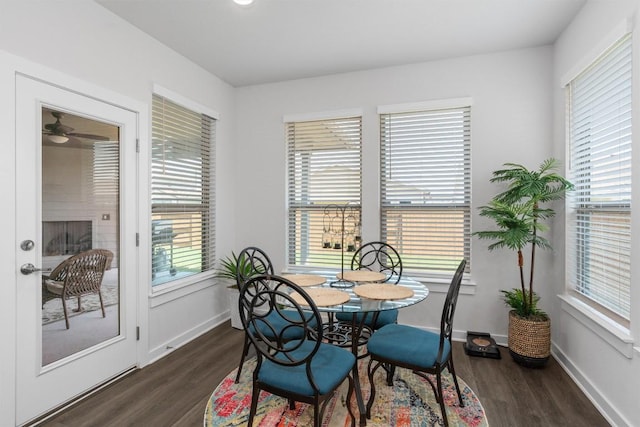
[[529, 340]]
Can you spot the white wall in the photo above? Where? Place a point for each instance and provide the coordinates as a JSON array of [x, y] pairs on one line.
[[89, 44], [599, 356], [510, 119]]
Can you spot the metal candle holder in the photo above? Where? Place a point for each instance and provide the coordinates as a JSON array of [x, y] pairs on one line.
[[338, 221]]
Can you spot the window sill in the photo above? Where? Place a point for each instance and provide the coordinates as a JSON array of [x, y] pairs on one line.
[[441, 284], [163, 294], [613, 334]]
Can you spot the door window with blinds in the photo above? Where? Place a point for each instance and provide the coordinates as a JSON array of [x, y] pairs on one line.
[[599, 234], [182, 224], [425, 180], [324, 172]]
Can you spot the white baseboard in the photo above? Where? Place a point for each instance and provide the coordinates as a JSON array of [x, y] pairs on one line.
[[178, 341], [601, 403]]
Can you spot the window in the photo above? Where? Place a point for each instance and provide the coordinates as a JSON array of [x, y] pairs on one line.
[[599, 234], [324, 168], [426, 187], [182, 196]]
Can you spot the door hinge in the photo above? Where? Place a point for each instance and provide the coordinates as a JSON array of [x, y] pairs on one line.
[[137, 145], [137, 239], [137, 333]]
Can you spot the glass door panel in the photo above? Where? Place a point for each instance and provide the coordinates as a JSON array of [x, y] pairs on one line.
[[80, 215]]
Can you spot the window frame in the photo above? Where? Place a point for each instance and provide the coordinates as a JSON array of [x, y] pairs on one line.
[[292, 188], [165, 288], [573, 207], [431, 275]]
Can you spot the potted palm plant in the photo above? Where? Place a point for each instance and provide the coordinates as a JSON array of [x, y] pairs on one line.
[[520, 219], [228, 269]]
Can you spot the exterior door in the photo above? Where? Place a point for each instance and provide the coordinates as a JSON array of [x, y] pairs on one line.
[[75, 248]]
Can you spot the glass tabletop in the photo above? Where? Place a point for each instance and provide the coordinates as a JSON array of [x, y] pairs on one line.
[[358, 304]]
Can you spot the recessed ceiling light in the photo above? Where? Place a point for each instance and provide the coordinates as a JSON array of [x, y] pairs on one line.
[[243, 2]]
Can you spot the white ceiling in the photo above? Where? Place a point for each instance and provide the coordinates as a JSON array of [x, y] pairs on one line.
[[277, 40]]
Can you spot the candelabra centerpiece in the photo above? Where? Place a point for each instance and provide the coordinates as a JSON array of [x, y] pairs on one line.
[[341, 228]]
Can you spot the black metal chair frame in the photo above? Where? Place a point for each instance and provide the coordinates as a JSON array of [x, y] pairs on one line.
[[258, 262], [446, 330], [263, 294], [379, 256], [371, 256]]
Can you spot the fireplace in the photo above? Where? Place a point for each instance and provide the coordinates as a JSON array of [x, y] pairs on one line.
[[66, 237]]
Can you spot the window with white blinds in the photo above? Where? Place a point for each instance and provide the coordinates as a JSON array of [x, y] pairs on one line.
[[426, 187], [182, 197], [599, 235], [324, 168]]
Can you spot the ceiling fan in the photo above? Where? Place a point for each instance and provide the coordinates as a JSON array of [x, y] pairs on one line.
[[60, 133]]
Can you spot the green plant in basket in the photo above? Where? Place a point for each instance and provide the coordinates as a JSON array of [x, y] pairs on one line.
[[520, 220], [523, 305]]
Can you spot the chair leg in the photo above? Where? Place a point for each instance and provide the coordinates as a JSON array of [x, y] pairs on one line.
[[316, 414], [102, 304], [443, 409], [349, 394], [66, 314], [452, 371], [372, 395], [391, 370], [254, 405], [245, 351]]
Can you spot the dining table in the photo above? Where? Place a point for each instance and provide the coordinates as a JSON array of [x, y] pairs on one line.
[[361, 293]]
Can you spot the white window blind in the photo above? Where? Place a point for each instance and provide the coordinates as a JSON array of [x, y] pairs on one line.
[[600, 115], [324, 167], [181, 191], [426, 187]]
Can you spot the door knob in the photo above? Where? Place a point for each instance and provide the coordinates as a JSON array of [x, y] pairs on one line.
[[30, 268]]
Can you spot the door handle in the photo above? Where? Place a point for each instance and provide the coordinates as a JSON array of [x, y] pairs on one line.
[[30, 268]]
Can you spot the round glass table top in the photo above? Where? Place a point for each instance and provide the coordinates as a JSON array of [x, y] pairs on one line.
[[412, 293]]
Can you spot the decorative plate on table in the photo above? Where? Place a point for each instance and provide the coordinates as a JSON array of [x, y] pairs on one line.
[[362, 276], [383, 291], [305, 279], [323, 297]]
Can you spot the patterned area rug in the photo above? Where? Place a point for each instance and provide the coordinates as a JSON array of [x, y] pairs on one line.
[[410, 402]]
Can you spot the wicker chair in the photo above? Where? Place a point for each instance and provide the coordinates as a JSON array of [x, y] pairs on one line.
[[76, 276]]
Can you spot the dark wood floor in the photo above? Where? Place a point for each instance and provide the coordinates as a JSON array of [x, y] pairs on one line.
[[174, 391]]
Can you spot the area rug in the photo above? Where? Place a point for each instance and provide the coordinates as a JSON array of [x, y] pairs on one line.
[[410, 402], [53, 311]]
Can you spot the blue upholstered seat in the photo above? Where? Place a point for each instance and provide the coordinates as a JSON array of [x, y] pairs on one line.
[[329, 367], [280, 324], [383, 318], [411, 345]]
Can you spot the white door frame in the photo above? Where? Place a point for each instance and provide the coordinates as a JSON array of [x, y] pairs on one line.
[[10, 67]]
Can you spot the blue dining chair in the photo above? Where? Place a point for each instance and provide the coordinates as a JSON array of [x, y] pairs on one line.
[[252, 261], [384, 258], [302, 369], [420, 351]]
